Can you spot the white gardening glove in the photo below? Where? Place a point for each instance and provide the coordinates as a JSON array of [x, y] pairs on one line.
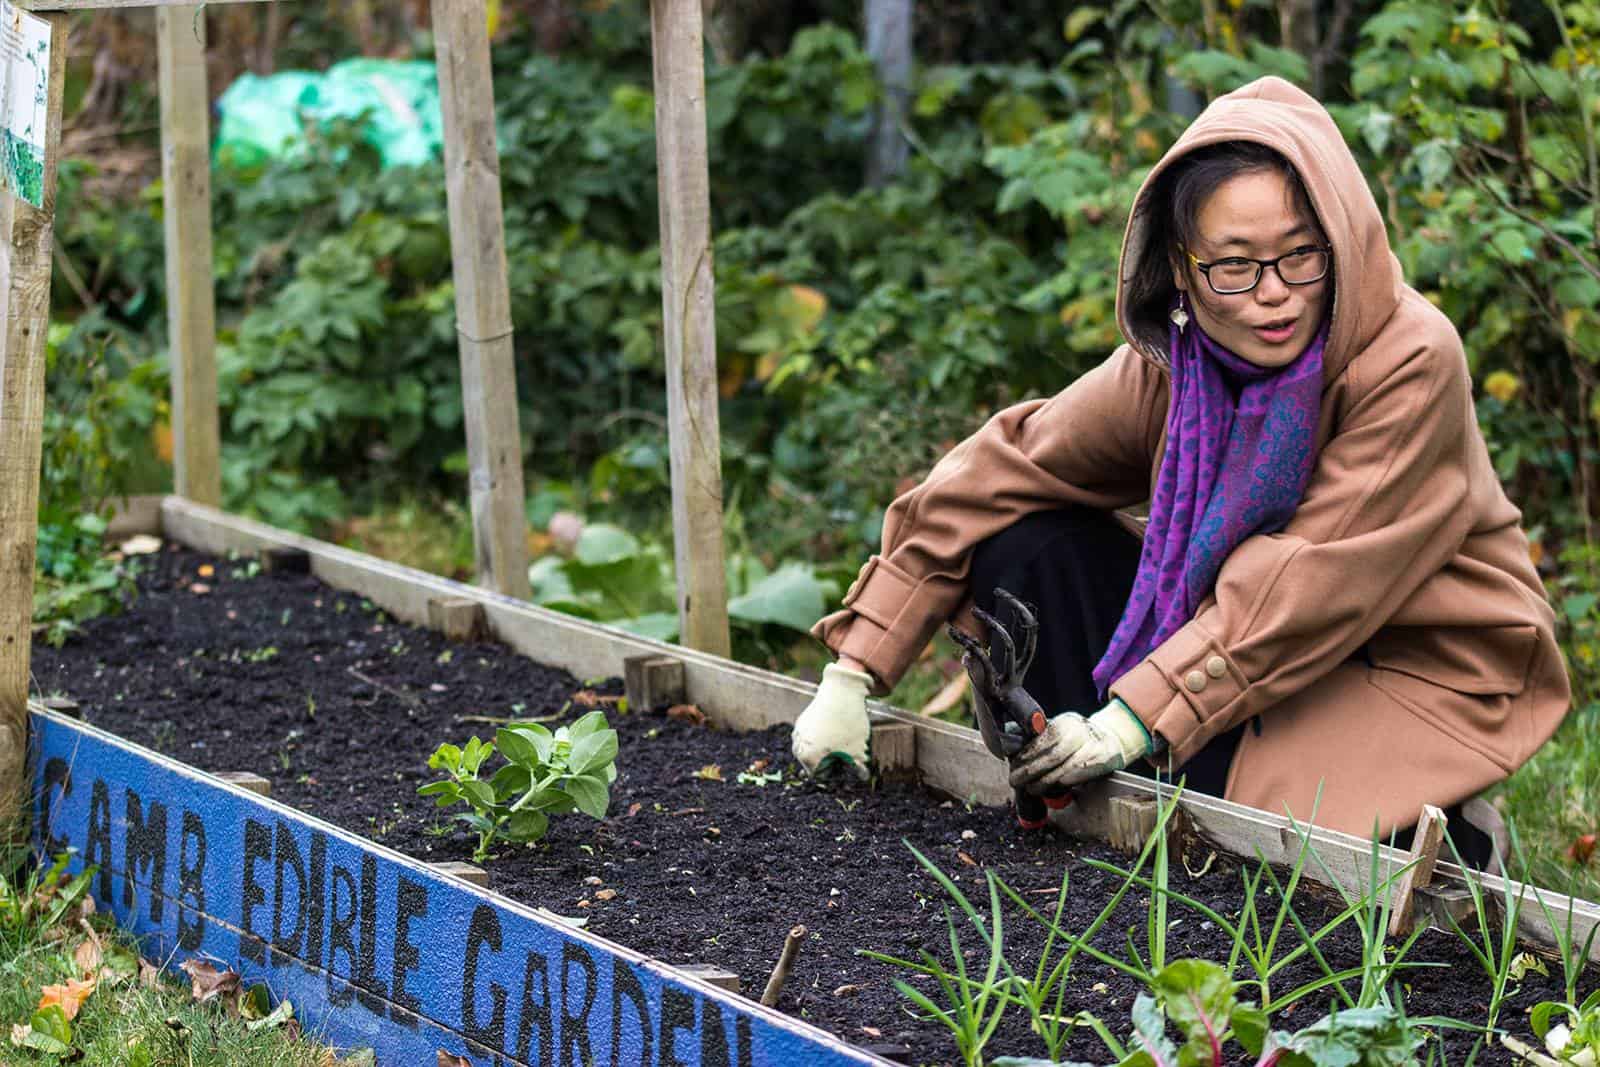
[[834, 724], [1074, 749]]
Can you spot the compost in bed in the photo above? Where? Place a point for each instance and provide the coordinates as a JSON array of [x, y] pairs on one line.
[[714, 846]]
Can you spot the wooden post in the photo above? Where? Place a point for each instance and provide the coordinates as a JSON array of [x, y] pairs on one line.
[[483, 296], [186, 206], [689, 323], [1424, 856], [26, 243], [889, 45]]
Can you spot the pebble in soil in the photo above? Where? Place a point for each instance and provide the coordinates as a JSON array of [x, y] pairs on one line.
[[229, 668]]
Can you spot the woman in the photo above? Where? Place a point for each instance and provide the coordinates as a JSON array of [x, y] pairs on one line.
[[1333, 589]]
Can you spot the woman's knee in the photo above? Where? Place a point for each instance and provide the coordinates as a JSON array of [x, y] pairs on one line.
[[1013, 550]]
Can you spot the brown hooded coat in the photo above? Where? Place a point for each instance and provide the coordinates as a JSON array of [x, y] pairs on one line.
[[1394, 638]]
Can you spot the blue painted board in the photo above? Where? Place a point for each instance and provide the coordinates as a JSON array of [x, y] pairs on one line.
[[373, 948]]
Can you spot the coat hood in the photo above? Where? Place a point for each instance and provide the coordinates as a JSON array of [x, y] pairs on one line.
[[1366, 275]]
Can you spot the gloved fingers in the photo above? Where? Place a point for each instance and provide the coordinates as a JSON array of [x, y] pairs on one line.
[[1056, 746], [1071, 773]]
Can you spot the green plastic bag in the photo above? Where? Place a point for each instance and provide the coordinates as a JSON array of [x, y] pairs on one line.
[[262, 118]]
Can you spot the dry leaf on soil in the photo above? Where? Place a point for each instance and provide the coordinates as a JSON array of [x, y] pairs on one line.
[[69, 997], [711, 772], [448, 1060], [687, 713], [207, 982], [149, 974]]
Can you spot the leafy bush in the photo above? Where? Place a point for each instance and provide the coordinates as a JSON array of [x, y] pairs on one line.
[[544, 774]]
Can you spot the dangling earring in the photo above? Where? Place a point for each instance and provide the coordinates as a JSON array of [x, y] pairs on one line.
[[1179, 317]]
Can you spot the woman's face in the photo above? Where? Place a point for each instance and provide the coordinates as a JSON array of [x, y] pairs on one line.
[[1254, 214]]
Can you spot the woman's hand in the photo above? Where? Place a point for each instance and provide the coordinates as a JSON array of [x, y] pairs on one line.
[[834, 724], [1074, 749]]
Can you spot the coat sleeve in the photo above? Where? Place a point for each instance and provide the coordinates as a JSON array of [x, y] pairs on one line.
[[1089, 444], [1384, 511]]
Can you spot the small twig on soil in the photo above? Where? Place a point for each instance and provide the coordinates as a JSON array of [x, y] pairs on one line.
[[688, 811], [494, 721], [780, 973], [403, 697], [1527, 1053]]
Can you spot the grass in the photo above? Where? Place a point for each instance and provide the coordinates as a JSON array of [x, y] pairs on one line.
[[50, 936], [1553, 800]]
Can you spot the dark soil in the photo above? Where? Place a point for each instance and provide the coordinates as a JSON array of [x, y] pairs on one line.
[[227, 668]]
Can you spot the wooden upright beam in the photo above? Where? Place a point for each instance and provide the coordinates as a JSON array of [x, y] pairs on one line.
[[186, 207], [483, 296], [26, 241], [689, 323]]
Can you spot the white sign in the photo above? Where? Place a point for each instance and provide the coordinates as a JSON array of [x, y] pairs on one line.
[[25, 47]]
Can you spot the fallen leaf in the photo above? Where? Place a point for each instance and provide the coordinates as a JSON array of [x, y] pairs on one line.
[[447, 1059], [605, 894], [199, 588], [633, 809], [206, 981], [68, 997], [1582, 849], [140, 545], [687, 713], [87, 957], [846, 990], [964, 858], [149, 974], [872, 1031], [205, 570], [711, 772], [585, 698]]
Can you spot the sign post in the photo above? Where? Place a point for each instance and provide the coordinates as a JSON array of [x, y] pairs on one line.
[[35, 53]]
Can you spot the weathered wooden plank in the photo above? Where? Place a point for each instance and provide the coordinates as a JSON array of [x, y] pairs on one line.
[[135, 515], [27, 236], [1424, 856], [950, 758], [111, 5], [483, 297], [689, 323], [186, 213]]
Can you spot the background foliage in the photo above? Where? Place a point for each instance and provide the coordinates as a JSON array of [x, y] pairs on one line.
[[861, 331]]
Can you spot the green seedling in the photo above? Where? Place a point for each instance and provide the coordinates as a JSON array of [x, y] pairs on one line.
[[1576, 1041], [545, 773]]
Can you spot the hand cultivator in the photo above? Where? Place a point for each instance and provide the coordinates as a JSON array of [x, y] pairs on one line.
[[1008, 715]]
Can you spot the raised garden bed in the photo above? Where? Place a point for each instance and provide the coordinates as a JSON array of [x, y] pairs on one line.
[[224, 667]]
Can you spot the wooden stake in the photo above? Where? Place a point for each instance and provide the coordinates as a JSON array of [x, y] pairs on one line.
[[186, 208], [1133, 820], [483, 297], [457, 618], [717, 976], [689, 323], [651, 681], [467, 872], [26, 239], [1424, 854], [261, 787], [780, 973], [894, 749]]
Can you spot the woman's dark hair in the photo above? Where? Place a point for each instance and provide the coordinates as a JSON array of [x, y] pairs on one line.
[[1165, 225]]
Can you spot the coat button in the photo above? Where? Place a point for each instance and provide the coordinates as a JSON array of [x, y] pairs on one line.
[[1195, 680], [1216, 666]]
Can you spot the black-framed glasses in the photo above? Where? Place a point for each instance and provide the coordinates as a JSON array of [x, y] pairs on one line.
[[1240, 274]]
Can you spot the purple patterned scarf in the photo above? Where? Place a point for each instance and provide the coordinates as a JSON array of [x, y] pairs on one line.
[[1241, 442]]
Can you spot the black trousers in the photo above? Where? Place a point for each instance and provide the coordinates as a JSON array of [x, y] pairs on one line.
[[1076, 566]]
